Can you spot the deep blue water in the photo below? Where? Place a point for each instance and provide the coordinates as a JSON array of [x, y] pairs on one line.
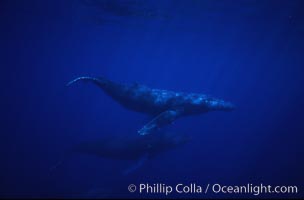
[[249, 52]]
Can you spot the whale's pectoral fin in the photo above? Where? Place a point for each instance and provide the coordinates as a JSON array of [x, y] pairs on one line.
[[137, 165], [159, 121]]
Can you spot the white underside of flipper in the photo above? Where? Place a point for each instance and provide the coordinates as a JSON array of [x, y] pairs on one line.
[[159, 121]]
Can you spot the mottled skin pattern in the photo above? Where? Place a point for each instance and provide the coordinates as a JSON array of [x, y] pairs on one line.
[[165, 105]]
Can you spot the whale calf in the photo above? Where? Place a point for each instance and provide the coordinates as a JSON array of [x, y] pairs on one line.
[[164, 105], [132, 147]]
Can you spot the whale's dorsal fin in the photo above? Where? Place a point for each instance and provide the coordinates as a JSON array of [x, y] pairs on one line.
[[159, 121]]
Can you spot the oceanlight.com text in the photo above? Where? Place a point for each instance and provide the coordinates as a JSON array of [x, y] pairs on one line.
[[194, 188]]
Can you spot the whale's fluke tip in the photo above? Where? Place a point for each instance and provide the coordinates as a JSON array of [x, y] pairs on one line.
[[85, 78], [69, 83]]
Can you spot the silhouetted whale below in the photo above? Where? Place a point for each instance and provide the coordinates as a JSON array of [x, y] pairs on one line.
[[131, 147], [166, 106]]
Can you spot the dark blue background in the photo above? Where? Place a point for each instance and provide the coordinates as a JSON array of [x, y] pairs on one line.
[[247, 52]]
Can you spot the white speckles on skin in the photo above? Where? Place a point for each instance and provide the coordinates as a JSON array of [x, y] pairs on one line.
[[158, 100], [197, 100]]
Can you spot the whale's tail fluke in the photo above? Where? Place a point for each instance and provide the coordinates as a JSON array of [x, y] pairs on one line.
[[54, 167], [111, 88], [99, 81], [136, 166], [66, 156]]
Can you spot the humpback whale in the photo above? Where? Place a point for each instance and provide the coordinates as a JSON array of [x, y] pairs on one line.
[[164, 105], [131, 147], [134, 148]]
